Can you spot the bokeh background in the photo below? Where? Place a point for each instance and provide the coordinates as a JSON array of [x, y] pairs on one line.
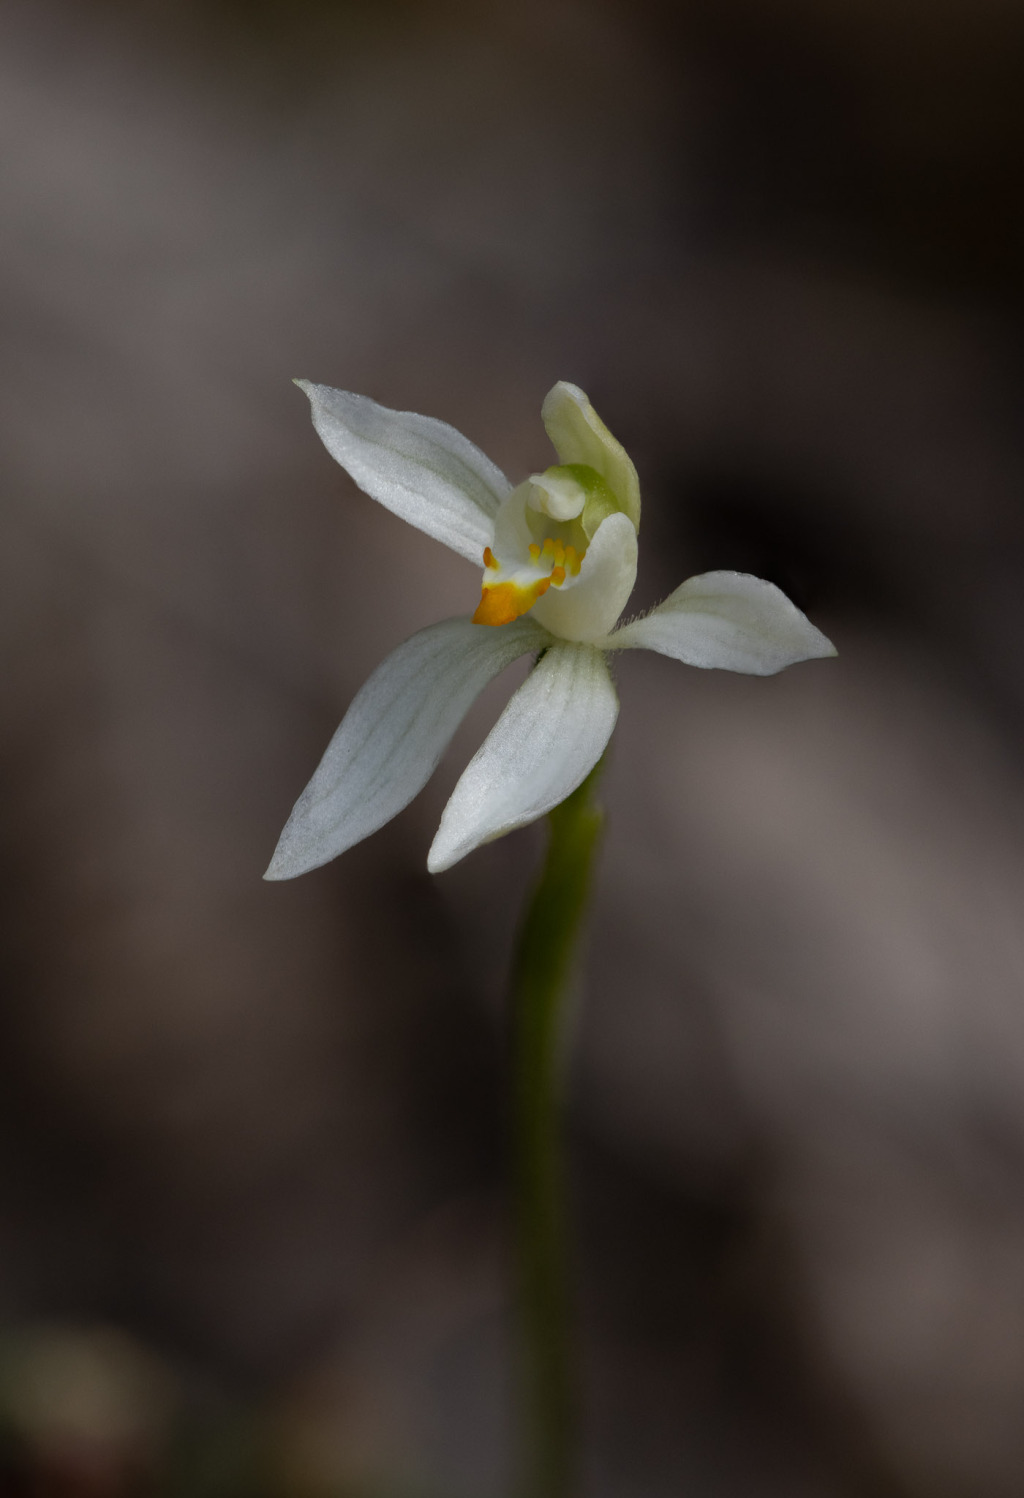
[[252, 1232]]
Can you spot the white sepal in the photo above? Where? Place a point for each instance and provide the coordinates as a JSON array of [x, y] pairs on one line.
[[580, 436], [390, 740], [728, 620], [421, 469], [586, 607], [548, 739]]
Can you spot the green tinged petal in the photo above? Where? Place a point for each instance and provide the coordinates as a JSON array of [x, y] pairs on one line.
[[599, 501], [581, 437]]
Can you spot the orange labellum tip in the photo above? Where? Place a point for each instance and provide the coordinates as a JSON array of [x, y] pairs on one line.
[[499, 605], [503, 602]]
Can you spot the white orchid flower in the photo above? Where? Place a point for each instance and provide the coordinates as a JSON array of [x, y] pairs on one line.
[[559, 554]]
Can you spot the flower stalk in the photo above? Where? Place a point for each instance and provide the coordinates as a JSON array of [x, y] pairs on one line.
[[559, 557], [542, 976]]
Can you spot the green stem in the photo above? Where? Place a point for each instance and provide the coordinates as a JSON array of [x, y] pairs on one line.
[[541, 976]]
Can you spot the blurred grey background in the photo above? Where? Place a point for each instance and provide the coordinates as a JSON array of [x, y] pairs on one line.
[[252, 1232]]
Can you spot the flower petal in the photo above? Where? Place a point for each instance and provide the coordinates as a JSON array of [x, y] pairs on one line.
[[586, 607], [390, 740], [730, 620], [545, 743], [512, 534], [421, 469], [580, 436]]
